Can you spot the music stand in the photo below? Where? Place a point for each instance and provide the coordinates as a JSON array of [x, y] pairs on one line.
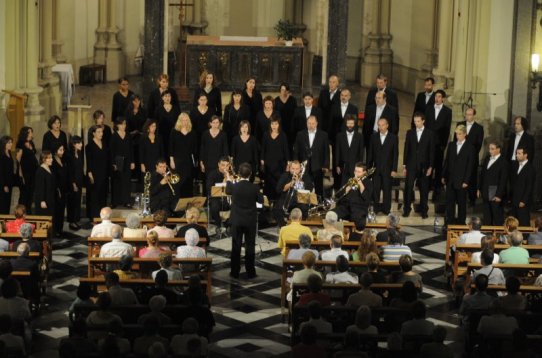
[[218, 191], [186, 203]]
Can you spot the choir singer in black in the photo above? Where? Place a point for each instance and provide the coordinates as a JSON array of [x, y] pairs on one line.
[[492, 184], [161, 190], [348, 149], [244, 196], [522, 179]]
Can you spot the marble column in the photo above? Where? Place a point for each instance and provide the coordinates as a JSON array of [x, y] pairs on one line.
[[386, 53], [52, 99], [430, 53], [154, 43], [336, 38], [33, 109], [446, 10], [100, 47], [114, 57], [370, 66], [197, 26], [57, 43]]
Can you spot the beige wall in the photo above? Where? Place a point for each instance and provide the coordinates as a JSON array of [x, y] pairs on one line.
[[354, 39]]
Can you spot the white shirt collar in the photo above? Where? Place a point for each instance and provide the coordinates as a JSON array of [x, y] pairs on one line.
[[383, 134], [460, 143], [519, 134], [495, 157], [438, 106], [419, 130]]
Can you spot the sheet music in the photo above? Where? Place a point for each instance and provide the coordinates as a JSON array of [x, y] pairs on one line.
[[220, 185]]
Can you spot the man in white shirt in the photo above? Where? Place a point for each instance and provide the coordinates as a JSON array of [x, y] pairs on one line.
[[474, 236], [116, 248], [335, 245], [104, 228]]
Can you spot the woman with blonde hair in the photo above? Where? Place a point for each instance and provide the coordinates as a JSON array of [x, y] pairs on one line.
[[207, 86], [183, 154], [192, 218], [367, 245], [152, 250]]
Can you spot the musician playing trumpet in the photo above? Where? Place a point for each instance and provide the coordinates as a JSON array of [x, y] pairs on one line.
[[355, 203], [287, 187], [161, 190]]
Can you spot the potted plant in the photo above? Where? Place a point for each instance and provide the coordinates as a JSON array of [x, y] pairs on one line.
[[286, 31]]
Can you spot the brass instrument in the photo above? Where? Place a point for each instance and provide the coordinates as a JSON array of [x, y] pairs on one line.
[[297, 180], [352, 184], [146, 198], [322, 208], [231, 172], [172, 179]]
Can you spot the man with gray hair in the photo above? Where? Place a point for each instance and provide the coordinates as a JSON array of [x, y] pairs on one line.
[[304, 246], [116, 248], [474, 236], [103, 229], [133, 227], [292, 231], [26, 231], [392, 224], [515, 254], [25, 263]]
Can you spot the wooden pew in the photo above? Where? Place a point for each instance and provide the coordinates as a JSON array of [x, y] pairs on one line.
[[321, 245], [149, 222], [522, 289], [39, 236], [345, 289], [348, 226], [11, 255], [42, 223], [517, 270], [95, 243]]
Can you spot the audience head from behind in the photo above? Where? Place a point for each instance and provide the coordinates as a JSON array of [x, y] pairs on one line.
[[418, 310], [331, 218], [475, 223], [5, 269], [481, 281], [160, 217], [157, 303], [373, 262], [116, 232], [191, 237], [515, 238], [341, 263], [538, 223], [166, 260], [20, 211], [394, 238], [406, 263], [190, 326], [84, 291], [336, 242], [245, 170], [133, 221], [161, 278], [409, 292], [308, 259], [314, 283], [363, 317], [486, 257], [26, 231], [23, 249], [105, 213], [510, 224], [192, 215], [305, 241], [111, 279], [392, 221], [104, 301], [315, 309], [487, 242], [366, 280], [157, 350], [152, 238], [512, 285], [296, 215], [125, 262], [367, 244]]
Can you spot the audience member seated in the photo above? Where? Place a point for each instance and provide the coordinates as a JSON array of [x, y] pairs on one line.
[[179, 342], [363, 321], [301, 276], [160, 218], [342, 275], [494, 274], [335, 245], [26, 236], [407, 297], [331, 227], [308, 346], [116, 248], [160, 288], [373, 268], [497, 323], [192, 218], [357, 232], [102, 316], [392, 225], [150, 336], [536, 237], [291, 232], [15, 344], [156, 304], [510, 225], [474, 235], [437, 348], [133, 227], [174, 273], [513, 299], [314, 284], [191, 249], [13, 226], [202, 314], [487, 242], [406, 274], [24, 263], [194, 288], [394, 249], [365, 297], [114, 340], [418, 326], [351, 345], [304, 246], [152, 250], [315, 313], [83, 298], [367, 244], [157, 350], [82, 345], [479, 300], [104, 229], [119, 295], [515, 254], [5, 270], [125, 268]]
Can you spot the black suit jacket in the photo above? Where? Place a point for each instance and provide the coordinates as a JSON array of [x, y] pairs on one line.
[[383, 156], [160, 195], [496, 175], [346, 156], [391, 98], [420, 105], [337, 118], [526, 141], [317, 155], [389, 112], [419, 155], [458, 167], [522, 184], [244, 196], [475, 136], [300, 118], [286, 177], [441, 125], [325, 104]]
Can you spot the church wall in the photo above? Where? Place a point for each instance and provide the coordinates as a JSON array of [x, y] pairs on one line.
[[131, 21], [354, 39]]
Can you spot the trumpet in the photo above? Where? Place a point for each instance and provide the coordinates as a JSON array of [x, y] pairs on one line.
[[172, 179]]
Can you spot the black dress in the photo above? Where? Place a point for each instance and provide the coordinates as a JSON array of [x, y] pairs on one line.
[[150, 152], [76, 176], [134, 126], [166, 121], [98, 165], [50, 142], [200, 121], [7, 179], [44, 190], [106, 137], [214, 100], [184, 150], [232, 118], [262, 123], [255, 105], [211, 149], [28, 165], [61, 173], [275, 154], [245, 152], [286, 110], [120, 104], [155, 100], [121, 155]]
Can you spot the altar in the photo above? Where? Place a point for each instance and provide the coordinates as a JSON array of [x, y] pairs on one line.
[[234, 58]]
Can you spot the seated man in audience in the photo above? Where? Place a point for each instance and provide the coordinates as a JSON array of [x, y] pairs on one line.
[[487, 242], [315, 312], [292, 231], [335, 245], [301, 276], [304, 246], [394, 249], [314, 283], [497, 324], [133, 227], [513, 300], [365, 297], [406, 274], [308, 346], [82, 345], [15, 344], [160, 218], [125, 268], [179, 342], [24, 263], [114, 333], [192, 218], [119, 295], [342, 275], [392, 224], [161, 288], [150, 336], [174, 273], [26, 230], [13, 226], [480, 300], [474, 235], [419, 325], [104, 228], [494, 275], [116, 248], [515, 254], [156, 304], [437, 348], [363, 321]]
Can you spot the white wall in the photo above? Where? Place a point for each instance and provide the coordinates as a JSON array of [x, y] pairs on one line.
[[354, 39]]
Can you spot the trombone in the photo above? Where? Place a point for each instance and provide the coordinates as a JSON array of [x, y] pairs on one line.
[[172, 179], [352, 184]]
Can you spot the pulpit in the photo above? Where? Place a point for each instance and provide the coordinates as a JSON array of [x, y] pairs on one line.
[[233, 59], [15, 112]]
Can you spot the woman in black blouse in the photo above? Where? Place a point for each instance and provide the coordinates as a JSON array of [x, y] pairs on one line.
[[76, 176], [274, 158], [234, 113], [150, 147], [121, 99], [61, 173], [28, 164], [244, 148], [122, 162], [99, 120], [97, 172], [264, 116], [207, 86], [201, 114], [183, 154], [155, 98], [166, 115], [54, 136], [214, 144], [252, 98], [285, 104], [135, 115], [45, 187], [7, 173]]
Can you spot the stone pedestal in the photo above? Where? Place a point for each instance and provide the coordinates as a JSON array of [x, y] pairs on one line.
[[154, 43], [336, 38]]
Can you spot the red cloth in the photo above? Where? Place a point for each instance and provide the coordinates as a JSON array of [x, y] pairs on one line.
[[13, 227], [323, 298]]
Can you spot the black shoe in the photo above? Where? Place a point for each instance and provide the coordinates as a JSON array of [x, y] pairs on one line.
[[234, 275], [406, 214], [251, 275], [424, 216]]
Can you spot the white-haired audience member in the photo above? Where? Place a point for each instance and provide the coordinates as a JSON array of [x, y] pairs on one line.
[[304, 246], [133, 227], [189, 343], [515, 254], [331, 227], [104, 228], [26, 230], [156, 304], [335, 245], [392, 224], [117, 247], [191, 249]]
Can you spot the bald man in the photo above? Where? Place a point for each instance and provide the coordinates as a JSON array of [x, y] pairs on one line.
[[340, 111], [328, 98]]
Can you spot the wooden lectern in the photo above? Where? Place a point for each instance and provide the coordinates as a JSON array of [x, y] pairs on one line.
[[15, 112]]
